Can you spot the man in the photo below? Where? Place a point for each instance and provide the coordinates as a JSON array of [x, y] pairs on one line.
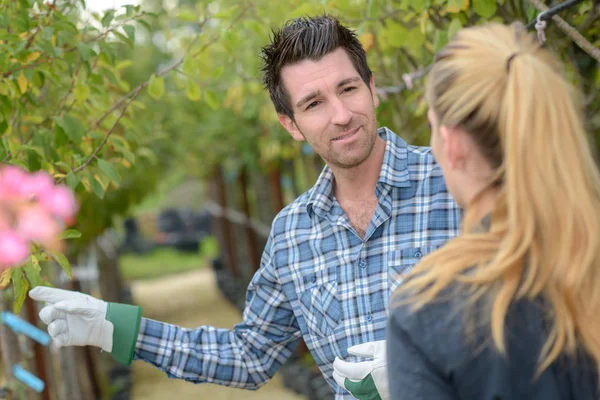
[[334, 255]]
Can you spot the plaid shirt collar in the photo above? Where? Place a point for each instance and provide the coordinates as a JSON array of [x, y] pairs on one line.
[[394, 172]]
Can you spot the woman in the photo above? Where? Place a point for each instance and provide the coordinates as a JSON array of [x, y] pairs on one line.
[[510, 309]]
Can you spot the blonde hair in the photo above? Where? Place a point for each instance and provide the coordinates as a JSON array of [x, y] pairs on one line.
[[508, 93]]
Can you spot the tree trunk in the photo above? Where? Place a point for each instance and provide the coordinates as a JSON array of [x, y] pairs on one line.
[[251, 241], [225, 226]]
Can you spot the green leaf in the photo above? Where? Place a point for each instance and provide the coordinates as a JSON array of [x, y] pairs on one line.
[[130, 31], [396, 34], [156, 87], [124, 38], [72, 127], [81, 92], [211, 99], [17, 279], [193, 91], [415, 39], [121, 148], [108, 17], [147, 154], [86, 52], [484, 8], [64, 264], [440, 40], [72, 180], [190, 66], [109, 170], [70, 234], [32, 271], [186, 15], [96, 186], [6, 277], [454, 27], [419, 5], [20, 295]]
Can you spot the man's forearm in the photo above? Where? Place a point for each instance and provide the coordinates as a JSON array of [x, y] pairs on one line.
[[236, 358]]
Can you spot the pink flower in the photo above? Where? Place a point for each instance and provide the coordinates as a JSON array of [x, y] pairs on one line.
[[35, 223], [60, 201], [14, 249], [38, 184], [11, 180]]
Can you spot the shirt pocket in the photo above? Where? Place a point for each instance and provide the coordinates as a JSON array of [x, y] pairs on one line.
[[401, 261], [320, 307]]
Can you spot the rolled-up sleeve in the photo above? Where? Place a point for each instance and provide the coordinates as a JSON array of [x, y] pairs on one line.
[[245, 357]]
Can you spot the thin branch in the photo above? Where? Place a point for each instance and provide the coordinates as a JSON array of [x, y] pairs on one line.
[[133, 94], [33, 35], [71, 49], [97, 150], [571, 32], [162, 72], [109, 30]]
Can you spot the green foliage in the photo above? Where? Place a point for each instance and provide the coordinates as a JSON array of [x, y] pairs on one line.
[[109, 105], [65, 108]]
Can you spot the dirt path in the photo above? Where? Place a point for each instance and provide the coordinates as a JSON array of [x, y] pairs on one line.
[[191, 299]]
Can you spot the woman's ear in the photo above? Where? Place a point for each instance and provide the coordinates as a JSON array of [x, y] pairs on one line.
[[455, 146]]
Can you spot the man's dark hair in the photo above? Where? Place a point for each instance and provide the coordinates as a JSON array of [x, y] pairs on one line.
[[307, 38]]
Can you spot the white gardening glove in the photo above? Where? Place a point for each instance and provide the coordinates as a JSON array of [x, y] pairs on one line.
[[74, 318], [365, 380]]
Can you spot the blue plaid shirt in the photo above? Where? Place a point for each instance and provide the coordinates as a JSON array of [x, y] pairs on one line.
[[318, 279]]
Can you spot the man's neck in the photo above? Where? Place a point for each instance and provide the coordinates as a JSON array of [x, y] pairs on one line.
[[359, 183]]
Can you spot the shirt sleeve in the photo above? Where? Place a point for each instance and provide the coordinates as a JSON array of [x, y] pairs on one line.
[[245, 357], [411, 374]]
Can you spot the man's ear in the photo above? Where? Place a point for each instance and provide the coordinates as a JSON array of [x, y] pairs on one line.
[[290, 126], [373, 93]]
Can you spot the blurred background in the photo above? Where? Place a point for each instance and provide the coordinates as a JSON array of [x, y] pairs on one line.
[[153, 112]]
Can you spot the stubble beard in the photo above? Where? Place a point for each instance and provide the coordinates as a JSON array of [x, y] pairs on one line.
[[363, 147]]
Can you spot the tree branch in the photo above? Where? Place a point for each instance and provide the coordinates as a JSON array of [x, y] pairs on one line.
[[97, 150], [70, 49], [571, 32], [128, 99]]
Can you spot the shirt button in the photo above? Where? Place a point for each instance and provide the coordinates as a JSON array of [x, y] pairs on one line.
[[363, 263], [418, 254], [314, 279], [369, 318]]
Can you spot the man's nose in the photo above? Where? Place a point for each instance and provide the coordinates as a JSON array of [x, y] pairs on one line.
[[341, 113]]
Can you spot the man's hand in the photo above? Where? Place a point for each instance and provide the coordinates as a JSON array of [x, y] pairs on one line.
[[74, 319], [364, 380]]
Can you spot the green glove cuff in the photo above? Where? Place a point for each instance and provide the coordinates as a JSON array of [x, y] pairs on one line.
[[126, 322], [364, 389]]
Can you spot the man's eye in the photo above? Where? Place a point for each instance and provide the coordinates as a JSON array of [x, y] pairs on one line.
[[313, 104], [349, 89]]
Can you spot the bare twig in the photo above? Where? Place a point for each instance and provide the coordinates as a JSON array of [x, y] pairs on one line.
[[571, 32]]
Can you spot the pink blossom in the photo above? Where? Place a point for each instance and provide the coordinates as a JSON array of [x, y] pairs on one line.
[[60, 201], [14, 249], [38, 184], [11, 180], [35, 223]]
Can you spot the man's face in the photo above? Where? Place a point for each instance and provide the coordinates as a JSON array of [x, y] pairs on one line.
[[334, 109]]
